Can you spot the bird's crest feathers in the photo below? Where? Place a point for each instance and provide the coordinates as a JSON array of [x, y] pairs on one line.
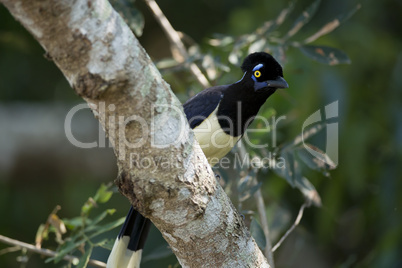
[[270, 65]]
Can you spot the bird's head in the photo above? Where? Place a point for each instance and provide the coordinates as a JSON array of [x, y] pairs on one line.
[[263, 71]]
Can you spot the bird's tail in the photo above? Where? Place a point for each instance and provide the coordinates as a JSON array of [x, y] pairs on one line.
[[127, 248]]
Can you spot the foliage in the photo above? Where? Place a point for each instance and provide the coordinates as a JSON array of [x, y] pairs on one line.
[[85, 232], [268, 38]]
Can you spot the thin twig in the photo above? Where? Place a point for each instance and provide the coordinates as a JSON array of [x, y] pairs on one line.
[[261, 211], [46, 252], [264, 225], [178, 49], [297, 221]]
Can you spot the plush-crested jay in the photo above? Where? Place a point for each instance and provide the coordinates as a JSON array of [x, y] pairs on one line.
[[219, 116]]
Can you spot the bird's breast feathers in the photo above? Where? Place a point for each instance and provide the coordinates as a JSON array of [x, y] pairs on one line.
[[214, 142]]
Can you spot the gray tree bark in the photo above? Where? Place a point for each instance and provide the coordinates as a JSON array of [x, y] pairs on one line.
[[162, 170]]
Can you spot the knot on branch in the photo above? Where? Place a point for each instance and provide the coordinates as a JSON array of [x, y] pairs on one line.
[[90, 85], [126, 186]]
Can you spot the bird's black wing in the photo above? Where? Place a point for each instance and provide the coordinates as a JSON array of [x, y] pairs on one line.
[[199, 107]]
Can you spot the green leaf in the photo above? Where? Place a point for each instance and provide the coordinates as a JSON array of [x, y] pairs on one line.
[[222, 66], [309, 191], [285, 13], [281, 171], [76, 240], [326, 55], [322, 165], [249, 192], [221, 40], [208, 63], [272, 25], [100, 229], [288, 171], [66, 248], [307, 133], [258, 234], [106, 243], [87, 207], [268, 112], [168, 63], [278, 52], [85, 258], [345, 16], [92, 225], [244, 183], [292, 170], [313, 162], [296, 169], [258, 45], [103, 194], [332, 25], [303, 19], [73, 223], [235, 55], [293, 175], [41, 234]]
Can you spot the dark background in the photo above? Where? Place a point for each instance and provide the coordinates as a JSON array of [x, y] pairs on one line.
[[359, 224]]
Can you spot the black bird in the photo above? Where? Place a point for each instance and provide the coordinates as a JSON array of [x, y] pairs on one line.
[[219, 116]]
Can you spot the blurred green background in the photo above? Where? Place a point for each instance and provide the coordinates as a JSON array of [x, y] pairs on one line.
[[359, 223]]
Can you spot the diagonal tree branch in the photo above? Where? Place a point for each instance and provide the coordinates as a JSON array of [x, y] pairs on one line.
[[162, 170]]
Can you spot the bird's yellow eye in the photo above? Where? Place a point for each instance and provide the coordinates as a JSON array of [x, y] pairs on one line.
[[257, 73]]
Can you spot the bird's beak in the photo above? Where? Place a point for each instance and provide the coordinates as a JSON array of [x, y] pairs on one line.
[[278, 83]]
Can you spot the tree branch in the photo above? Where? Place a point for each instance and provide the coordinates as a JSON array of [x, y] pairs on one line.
[[259, 200], [178, 49], [265, 227], [290, 230], [162, 170], [46, 252]]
